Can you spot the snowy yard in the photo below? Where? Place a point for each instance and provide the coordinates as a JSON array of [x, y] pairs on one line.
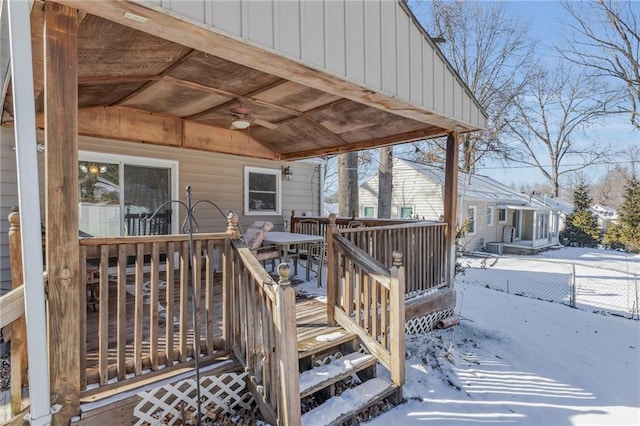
[[592, 280], [524, 361]]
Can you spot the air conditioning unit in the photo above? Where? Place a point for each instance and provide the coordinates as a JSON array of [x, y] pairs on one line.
[[494, 248], [508, 234]]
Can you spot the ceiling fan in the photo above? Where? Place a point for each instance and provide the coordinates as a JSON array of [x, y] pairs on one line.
[[242, 118]]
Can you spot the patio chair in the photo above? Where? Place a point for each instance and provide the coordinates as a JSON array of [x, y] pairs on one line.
[[254, 236], [301, 252], [145, 224], [317, 255]]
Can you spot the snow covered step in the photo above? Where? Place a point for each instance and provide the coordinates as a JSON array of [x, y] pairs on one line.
[[339, 408], [323, 342], [338, 369]]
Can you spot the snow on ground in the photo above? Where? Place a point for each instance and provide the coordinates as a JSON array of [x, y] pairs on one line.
[[524, 361]]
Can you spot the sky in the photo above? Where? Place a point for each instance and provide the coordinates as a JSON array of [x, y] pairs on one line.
[[545, 20], [523, 361]]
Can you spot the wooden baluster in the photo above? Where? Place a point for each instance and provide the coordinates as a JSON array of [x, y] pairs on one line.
[[18, 327], [332, 271]]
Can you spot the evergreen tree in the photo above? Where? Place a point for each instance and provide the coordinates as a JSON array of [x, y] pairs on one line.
[[582, 227], [627, 232]]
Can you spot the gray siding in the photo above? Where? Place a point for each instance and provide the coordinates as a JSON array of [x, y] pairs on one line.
[[375, 43], [215, 177]]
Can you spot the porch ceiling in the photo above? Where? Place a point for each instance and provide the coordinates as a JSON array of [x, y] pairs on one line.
[[138, 86]]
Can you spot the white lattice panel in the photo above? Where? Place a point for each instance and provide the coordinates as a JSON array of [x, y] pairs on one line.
[[426, 323], [166, 405]]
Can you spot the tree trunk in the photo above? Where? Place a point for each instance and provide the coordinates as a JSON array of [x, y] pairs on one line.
[[385, 182], [348, 184], [469, 149]]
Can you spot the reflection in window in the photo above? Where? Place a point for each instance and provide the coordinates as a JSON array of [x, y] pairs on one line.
[[368, 212], [262, 191]]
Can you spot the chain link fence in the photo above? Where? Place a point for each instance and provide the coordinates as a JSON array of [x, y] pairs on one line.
[[576, 284]]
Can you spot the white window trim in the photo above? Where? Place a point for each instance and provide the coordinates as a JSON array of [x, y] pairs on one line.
[[278, 174], [490, 214], [505, 216], [368, 207], [475, 221], [140, 161], [404, 206]]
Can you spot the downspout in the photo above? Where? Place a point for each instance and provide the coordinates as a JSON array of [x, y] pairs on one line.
[[323, 172], [29, 201]]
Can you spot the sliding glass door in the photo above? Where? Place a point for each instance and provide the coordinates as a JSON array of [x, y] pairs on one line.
[[115, 191]]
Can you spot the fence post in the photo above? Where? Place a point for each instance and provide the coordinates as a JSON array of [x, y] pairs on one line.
[[289, 413], [332, 282], [19, 326], [572, 300], [397, 317], [637, 301]]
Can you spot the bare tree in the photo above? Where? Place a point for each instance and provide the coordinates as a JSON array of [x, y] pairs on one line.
[[491, 53], [347, 183], [549, 122], [604, 38], [385, 182]]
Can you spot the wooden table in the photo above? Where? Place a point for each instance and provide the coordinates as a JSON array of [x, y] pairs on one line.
[[287, 239]]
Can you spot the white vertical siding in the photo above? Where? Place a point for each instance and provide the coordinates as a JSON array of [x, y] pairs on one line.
[[373, 42], [335, 36], [354, 12]]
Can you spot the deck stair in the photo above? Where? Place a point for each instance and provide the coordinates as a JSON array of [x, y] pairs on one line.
[[331, 362]]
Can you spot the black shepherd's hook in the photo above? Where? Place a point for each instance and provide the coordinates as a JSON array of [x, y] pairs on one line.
[[190, 226]]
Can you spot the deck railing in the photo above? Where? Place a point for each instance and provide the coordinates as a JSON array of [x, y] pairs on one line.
[[368, 299], [141, 290], [421, 243], [262, 335]]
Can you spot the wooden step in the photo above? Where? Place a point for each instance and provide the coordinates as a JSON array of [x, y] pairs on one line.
[[334, 336], [352, 401], [318, 378]]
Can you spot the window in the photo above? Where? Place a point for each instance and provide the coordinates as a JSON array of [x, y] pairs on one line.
[[368, 212], [489, 215], [261, 191], [542, 226], [112, 187], [406, 212], [502, 215], [471, 217]]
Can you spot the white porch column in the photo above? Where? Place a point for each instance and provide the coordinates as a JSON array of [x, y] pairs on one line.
[[29, 200]]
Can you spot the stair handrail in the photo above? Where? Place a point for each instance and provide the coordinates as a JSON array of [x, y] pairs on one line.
[[356, 313]]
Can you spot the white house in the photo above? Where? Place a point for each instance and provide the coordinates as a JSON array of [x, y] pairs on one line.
[[564, 208], [605, 216], [499, 218]]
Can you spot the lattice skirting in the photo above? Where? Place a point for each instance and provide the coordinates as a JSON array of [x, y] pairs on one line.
[[426, 323], [170, 404]]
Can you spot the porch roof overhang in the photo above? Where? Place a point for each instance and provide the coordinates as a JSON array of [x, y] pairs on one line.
[[524, 207], [148, 75]]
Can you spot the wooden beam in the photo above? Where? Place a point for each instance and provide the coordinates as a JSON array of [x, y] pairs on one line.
[[206, 39], [451, 204], [61, 166], [11, 307], [214, 139], [413, 135], [421, 306]]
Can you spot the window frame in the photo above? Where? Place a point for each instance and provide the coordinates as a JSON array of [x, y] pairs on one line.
[[473, 222], [505, 215], [364, 211], [405, 207], [490, 213], [265, 171]]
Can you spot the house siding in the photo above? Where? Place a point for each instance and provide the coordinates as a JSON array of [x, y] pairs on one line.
[[215, 177], [375, 43]]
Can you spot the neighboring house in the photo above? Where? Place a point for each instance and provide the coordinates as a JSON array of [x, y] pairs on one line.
[[152, 176], [605, 216], [563, 208], [495, 212]]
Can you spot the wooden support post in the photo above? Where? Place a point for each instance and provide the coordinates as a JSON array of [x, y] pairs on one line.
[[287, 342], [451, 205], [19, 326], [61, 140], [397, 317], [227, 277], [332, 269]]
